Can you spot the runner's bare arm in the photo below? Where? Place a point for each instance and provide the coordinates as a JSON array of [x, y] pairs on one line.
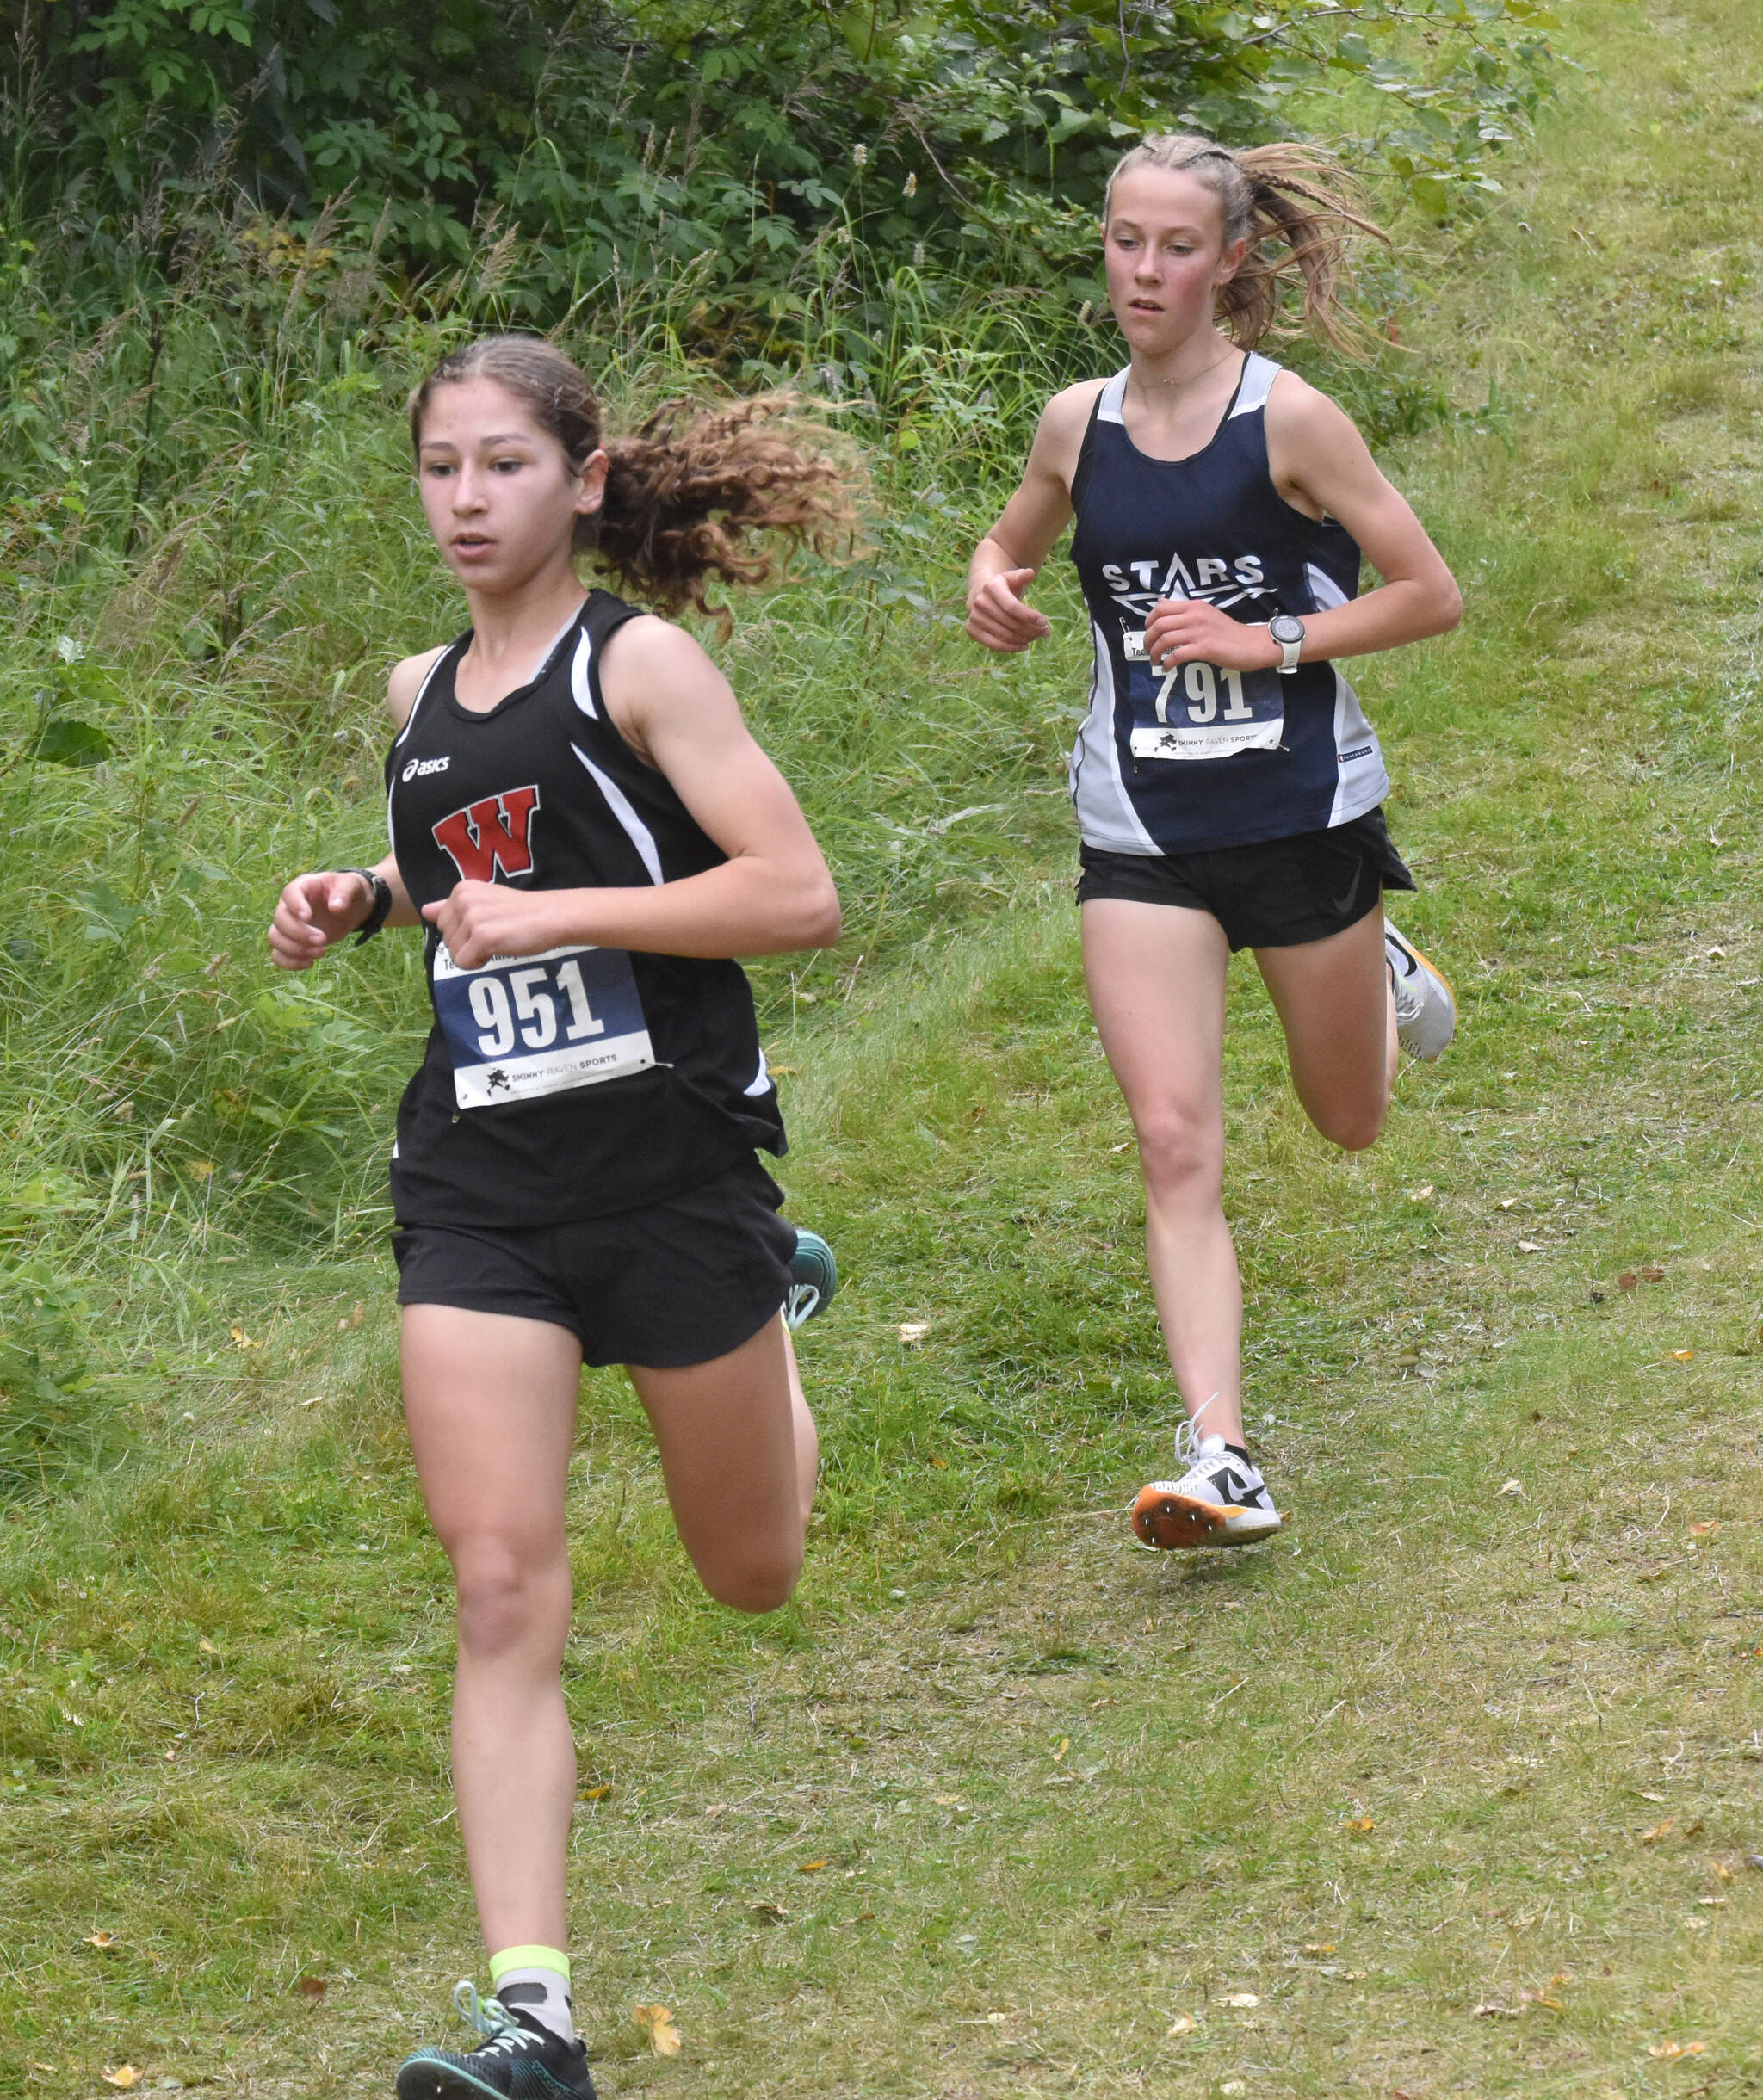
[[317, 910], [773, 893], [1323, 467], [1006, 561]]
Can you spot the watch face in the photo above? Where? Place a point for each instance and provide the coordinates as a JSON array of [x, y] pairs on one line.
[[1283, 628]]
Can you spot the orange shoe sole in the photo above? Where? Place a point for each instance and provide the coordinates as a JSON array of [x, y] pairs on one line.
[[1170, 1523]]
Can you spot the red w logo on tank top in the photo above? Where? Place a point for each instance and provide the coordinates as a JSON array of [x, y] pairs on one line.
[[492, 834]]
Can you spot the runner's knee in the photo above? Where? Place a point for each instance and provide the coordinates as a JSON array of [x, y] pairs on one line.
[[1182, 1153], [508, 1597], [754, 1575], [1353, 1125]]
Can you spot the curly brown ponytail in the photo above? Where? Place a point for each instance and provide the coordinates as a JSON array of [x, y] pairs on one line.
[[690, 494], [1298, 196]]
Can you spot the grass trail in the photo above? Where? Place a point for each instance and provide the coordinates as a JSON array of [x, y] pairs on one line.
[[1453, 1790]]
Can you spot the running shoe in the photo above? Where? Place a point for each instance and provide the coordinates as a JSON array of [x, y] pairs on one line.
[[814, 1279], [518, 2059], [1220, 1500], [1425, 1007]]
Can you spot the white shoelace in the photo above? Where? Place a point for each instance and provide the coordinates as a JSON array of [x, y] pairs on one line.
[[1187, 1439]]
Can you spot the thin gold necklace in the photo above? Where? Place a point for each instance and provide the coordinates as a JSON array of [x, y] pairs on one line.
[[1230, 350]]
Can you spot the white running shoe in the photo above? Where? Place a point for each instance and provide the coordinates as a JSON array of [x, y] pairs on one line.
[[1425, 1007], [1220, 1500]]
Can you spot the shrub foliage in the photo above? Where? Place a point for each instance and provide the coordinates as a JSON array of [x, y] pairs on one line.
[[634, 137]]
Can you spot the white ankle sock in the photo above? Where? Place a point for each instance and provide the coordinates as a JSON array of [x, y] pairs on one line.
[[540, 1992]]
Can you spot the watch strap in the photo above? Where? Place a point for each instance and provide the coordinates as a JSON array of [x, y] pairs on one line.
[[1288, 651], [379, 910]]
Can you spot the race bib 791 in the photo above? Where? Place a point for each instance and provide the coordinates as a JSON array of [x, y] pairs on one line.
[[1200, 710], [524, 1025]]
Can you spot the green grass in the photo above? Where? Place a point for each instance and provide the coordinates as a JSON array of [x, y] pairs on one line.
[[1063, 1795]]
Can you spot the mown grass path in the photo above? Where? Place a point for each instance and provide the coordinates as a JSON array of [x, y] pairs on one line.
[[1454, 1790]]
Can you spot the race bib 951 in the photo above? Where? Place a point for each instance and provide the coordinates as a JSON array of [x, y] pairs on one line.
[[524, 1025]]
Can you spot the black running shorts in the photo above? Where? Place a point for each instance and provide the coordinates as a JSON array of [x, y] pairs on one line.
[[675, 1283], [1280, 894]]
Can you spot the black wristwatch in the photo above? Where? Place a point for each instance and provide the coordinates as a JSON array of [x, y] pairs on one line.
[[381, 905]]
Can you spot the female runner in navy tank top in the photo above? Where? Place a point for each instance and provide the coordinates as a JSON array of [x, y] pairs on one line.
[[589, 834], [1228, 784]]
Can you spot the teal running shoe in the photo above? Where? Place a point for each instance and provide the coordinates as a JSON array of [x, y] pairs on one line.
[[814, 1279], [518, 2059]]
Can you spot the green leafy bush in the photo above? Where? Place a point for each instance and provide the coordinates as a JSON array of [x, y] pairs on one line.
[[737, 154]]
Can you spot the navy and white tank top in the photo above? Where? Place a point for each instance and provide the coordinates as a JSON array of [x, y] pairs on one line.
[[1208, 756], [585, 1080]]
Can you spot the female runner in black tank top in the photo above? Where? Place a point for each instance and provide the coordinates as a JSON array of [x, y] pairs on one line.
[[1226, 781], [582, 819]]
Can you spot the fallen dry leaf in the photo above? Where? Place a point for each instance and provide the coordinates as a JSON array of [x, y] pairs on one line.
[[1706, 1529], [811, 1866], [1184, 2024], [1711, 1903], [1494, 2010], [1506, 1202], [1359, 1825], [1652, 1275], [1242, 1999], [912, 1330], [770, 1913], [1677, 2049], [1723, 1873], [1513, 1487], [241, 1340], [102, 1939], [657, 2022], [1532, 1246], [1658, 1831], [202, 1169], [1420, 1195], [601, 1793], [1319, 1947], [1627, 1280], [208, 1647], [1683, 1356], [126, 2075], [311, 1988]]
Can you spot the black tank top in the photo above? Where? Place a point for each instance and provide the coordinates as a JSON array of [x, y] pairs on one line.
[[586, 1080], [1208, 758]]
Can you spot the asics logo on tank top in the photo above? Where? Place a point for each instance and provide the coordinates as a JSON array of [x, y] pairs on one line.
[[495, 833]]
